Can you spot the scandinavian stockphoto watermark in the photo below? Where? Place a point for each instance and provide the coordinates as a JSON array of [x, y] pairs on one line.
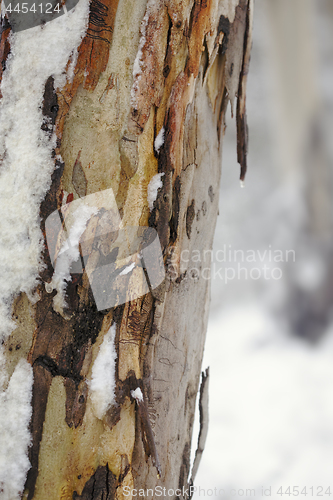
[[229, 263], [192, 491], [87, 235], [122, 263]]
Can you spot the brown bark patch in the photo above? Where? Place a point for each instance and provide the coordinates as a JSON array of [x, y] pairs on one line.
[[200, 26], [101, 486], [242, 129], [148, 84]]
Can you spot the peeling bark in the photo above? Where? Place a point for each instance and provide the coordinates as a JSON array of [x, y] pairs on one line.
[[190, 59]]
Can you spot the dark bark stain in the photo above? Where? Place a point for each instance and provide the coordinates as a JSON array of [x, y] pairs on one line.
[[50, 203], [185, 466], [125, 468], [205, 59], [181, 278], [101, 486], [59, 350], [190, 215], [211, 193], [159, 218], [224, 27], [175, 210], [42, 384], [79, 178], [242, 143], [148, 438], [241, 118], [113, 414], [76, 400], [50, 107]]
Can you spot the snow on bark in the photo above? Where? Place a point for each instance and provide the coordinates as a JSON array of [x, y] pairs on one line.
[[127, 269], [15, 413], [102, 384], [137, 66], [153, 187], [159, 141], [26, 162], [137, 394]]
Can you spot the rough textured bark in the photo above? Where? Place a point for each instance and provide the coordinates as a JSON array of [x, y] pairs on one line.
[[194, 58]]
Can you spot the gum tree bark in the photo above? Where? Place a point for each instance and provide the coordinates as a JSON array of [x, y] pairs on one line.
[[141, 66]]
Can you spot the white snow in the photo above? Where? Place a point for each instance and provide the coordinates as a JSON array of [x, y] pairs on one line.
[[154, 185], [137, 66], [159, 141], [68, 254], [25, 151], [15, 414], [102, 384], [72, 64], [271, 408], [127, 269], [137, 394], [137, 69]]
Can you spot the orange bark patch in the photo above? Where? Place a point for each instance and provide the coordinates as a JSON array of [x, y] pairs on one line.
[[93, 55], [200, 25]]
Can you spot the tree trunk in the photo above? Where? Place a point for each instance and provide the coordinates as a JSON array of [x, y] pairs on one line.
[[130, 99]]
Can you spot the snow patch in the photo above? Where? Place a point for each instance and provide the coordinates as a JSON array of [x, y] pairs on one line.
[[153, 187], [72, 65], [26, 163], [127, 269], [103, 381], [159, 141], [138, 62], [137, 394], [15, 414]]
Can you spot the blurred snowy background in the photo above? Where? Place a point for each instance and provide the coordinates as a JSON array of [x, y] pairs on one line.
[[270, 338]]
